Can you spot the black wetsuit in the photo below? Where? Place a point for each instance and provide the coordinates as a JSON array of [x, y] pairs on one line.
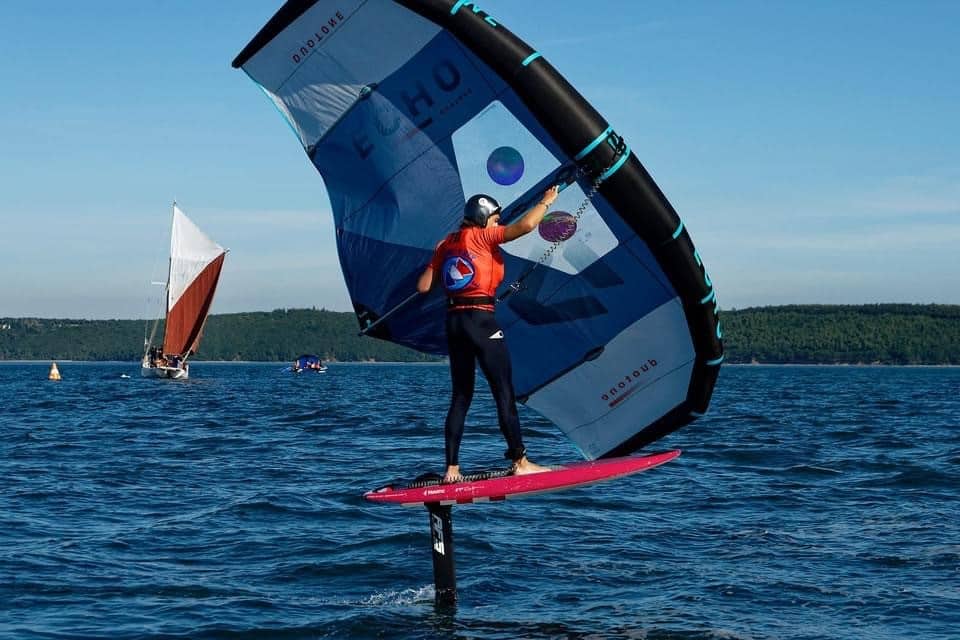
[[473, 336]]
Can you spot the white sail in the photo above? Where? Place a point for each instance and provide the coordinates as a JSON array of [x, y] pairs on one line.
[[191, 251]]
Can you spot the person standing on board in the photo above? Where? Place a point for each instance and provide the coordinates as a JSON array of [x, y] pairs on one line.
[[469, 265]]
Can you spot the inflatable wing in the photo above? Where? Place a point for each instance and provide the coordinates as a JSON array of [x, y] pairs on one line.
[[409, 107]]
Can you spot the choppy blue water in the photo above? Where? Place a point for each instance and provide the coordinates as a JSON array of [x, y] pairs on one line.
[[809, 503]]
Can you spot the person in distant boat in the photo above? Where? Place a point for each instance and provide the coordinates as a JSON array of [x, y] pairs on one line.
[[469, 265]]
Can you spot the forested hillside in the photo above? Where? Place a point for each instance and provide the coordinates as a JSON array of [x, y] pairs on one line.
[[278, 335], [883, 333]]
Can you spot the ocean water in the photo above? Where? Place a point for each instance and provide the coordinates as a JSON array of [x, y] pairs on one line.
[[811, 502]]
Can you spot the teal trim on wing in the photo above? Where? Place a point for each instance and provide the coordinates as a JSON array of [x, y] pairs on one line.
[[463, 3], [676, 234], [593, 145], [612, 170], [713, 363], [719, 332], [710, 296], [530, 58]]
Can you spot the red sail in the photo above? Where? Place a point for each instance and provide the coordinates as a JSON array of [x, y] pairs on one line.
[[186, 318]]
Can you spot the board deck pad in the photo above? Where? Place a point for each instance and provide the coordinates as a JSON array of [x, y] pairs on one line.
[[501, 485]]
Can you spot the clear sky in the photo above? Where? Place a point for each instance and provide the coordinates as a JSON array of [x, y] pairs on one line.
[[812, 148]]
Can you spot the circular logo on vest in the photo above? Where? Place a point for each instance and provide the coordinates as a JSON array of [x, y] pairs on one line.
[[458, 272]]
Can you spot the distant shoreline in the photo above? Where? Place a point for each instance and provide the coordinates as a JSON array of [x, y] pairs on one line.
[[335, 363], [796, 335], [443, 363]]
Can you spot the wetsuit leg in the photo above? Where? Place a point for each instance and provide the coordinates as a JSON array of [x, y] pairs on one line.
[[463, 376], [494, 358]]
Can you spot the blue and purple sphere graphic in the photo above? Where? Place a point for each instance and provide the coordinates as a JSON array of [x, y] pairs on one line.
[[505, 165], [557, 226]]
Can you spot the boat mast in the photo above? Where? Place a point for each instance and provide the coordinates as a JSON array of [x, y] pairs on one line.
[[166, 288], [148, 341]]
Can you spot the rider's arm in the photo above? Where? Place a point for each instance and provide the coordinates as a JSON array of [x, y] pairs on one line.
[[529, 221]]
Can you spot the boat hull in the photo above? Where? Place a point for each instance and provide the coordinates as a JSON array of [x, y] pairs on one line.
[[299, 371], [170, 373]]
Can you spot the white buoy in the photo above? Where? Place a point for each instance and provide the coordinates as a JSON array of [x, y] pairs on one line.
[[54, 372]]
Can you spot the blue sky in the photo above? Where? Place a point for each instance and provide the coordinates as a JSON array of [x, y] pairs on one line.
[[812, 149]]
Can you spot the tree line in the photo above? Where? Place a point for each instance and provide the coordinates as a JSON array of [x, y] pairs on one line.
[[270, 336], [839, 334], [800, 334]]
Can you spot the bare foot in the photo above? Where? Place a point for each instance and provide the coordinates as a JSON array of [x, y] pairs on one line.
[[523, 467], [453, 474]]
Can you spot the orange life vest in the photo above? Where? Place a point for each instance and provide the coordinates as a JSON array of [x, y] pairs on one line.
[[470, 265]]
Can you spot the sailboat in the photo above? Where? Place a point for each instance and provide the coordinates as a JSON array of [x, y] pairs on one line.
[[195, 264]]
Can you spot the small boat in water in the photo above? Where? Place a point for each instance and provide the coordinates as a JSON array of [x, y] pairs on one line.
[[195, 265], [308, 362], [54, 372]]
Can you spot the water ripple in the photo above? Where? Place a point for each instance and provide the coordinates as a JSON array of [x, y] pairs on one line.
[[811, 502]]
